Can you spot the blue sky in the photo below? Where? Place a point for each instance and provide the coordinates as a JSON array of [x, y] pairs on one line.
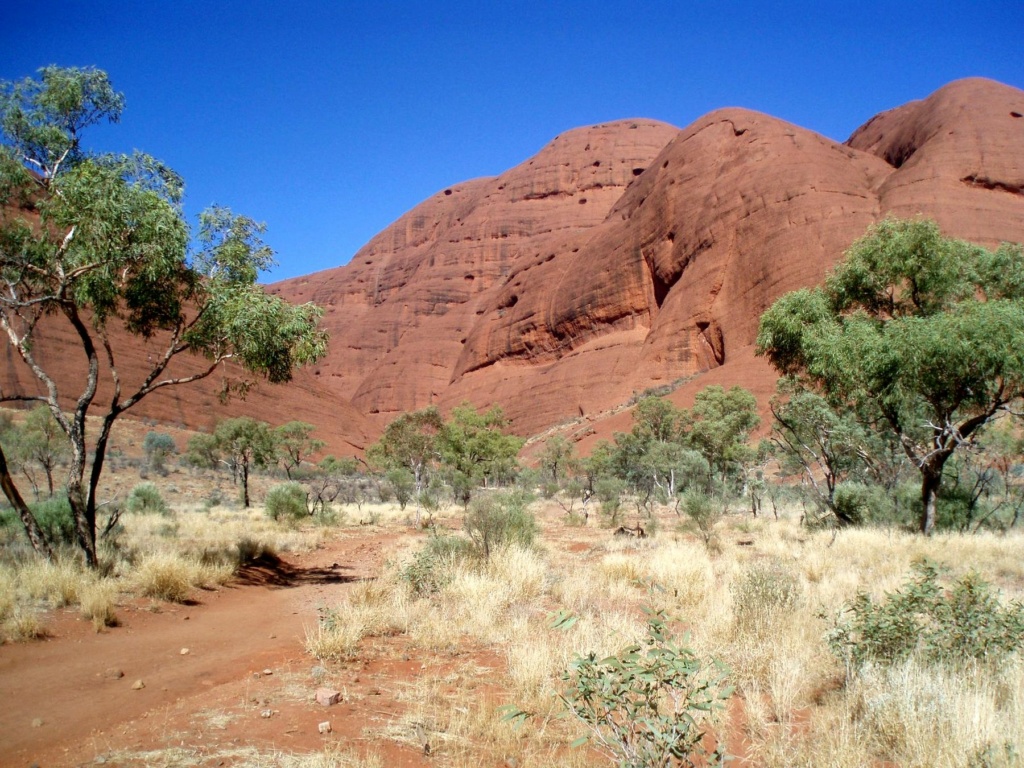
[[329, 120]]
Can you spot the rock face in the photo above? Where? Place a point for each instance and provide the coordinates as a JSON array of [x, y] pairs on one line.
[[621, 257], [402, 313], [632, 254]]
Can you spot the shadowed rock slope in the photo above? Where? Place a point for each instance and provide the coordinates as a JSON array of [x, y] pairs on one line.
[[632, 254]]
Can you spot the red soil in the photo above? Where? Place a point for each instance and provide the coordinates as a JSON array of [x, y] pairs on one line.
[[232, 635]]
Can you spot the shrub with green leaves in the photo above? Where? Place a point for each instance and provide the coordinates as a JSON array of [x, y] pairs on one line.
[[431, 567], [287, 501], [951, 624], [158, 446], [648, 705], [55, 520], [500, 520], [704, 511], [145, 498]]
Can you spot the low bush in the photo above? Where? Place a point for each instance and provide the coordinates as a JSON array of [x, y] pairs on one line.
[[431, 567], [145, 498], [55, 519], [704, 511], [649, 704], [499, 520], [943, 624], [287, 502]]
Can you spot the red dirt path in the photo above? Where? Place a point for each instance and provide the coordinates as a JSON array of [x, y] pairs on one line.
[[210, 699]]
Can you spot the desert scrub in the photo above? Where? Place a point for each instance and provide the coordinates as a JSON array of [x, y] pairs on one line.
[[499, 520], [649, 704], [97, 603], [145, 498], [373, 608], [941, 624], [432, 566], [287, 502], [172, 577]]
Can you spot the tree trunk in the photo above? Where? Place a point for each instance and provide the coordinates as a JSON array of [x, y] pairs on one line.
[[930, 481], [35, 534], [245, 484], [85, 523]]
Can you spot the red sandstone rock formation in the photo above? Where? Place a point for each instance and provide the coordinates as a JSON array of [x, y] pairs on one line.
[[625, 256], [515, 291]]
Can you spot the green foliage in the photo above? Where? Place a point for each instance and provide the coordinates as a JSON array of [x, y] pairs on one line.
[[287, 502], [474, 447], [557, 458], [704, 511], [431, 567], [247, 444], [145, 498], [100, 243], [943, 624], [918, 335], [720, 424], [56, 520], [158, 446], [860, 503], [609, 492], [402, 484], [346, 466], [498, 520], [648, 705], [295, 443], [203, 451]]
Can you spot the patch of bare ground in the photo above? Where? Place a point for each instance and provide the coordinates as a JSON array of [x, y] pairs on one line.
[[422, 674]]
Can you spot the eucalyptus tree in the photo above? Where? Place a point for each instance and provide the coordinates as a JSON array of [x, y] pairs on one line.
[[295, 444], [245, 444], [917, 334], [99, 244]]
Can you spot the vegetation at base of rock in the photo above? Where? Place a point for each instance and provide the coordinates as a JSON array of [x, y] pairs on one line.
[[914, 337]]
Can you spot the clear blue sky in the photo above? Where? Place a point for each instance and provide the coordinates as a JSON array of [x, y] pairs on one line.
[[328, 120]]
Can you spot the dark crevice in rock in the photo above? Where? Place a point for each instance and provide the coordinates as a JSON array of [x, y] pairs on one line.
[[896, 156], [976, 180]]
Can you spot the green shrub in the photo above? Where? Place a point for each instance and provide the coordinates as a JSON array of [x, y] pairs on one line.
[[287, 501], [145, 497], [946, 625], [55, 520], [157, 447], [431, 567], [609, 492], [499, 520], [402, 484], [704, 511], [648, 704]]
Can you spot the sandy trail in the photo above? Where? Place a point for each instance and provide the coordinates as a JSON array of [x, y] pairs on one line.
[[69, 683]]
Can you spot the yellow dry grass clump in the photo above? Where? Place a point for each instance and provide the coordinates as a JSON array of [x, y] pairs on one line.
[[762, 600]]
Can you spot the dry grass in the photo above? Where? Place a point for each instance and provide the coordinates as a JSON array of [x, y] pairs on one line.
[[97, 602], [760, 602], [172, 577]]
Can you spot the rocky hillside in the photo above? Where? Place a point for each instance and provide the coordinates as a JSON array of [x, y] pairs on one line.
[[621, 257], [631, 255]]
